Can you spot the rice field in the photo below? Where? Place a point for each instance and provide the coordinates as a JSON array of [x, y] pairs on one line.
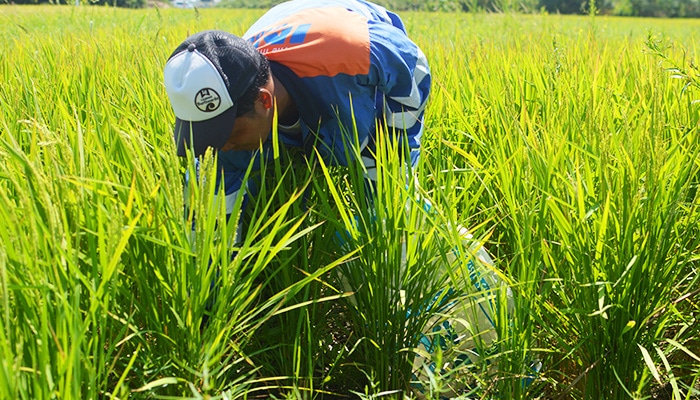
[[567, 145]]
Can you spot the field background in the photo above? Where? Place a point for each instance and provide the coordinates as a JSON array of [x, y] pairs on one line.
[[568, 144]]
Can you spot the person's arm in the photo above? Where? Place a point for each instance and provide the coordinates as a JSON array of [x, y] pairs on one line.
[[400, 71], [232, 167]]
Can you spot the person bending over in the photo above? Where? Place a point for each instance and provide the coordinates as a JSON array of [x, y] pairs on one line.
[[330, 69]]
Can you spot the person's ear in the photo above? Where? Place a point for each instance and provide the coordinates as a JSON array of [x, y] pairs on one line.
[[265, 98]]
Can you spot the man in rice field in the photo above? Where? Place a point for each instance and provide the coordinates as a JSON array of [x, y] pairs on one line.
[[326, 67], [336, 73]]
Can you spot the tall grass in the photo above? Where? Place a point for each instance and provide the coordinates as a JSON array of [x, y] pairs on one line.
[[586, 155], [563, 143]]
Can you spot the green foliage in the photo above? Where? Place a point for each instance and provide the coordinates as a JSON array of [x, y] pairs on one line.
[[571, 141], [641, 8], [115, 3], [569, 146]]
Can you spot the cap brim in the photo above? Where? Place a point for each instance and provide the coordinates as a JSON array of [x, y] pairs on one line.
[[200, 135]]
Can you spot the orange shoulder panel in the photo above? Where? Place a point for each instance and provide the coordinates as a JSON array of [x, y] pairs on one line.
[[320, 41]]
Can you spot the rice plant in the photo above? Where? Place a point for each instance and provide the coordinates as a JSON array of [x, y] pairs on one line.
[[567, 146]]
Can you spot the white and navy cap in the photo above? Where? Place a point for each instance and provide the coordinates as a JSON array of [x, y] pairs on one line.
[[204, 78]]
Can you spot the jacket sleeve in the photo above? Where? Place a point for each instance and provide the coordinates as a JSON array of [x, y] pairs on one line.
[[400, 71], [232, 167]]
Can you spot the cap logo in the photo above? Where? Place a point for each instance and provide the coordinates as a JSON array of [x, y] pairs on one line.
[[207, 100]]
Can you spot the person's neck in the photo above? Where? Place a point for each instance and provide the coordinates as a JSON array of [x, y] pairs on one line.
[[287, 113]]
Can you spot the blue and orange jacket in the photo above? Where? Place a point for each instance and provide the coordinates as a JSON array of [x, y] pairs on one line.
[[349, 67]]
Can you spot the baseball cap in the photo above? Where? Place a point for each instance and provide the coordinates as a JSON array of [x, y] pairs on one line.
[[204, 78]]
